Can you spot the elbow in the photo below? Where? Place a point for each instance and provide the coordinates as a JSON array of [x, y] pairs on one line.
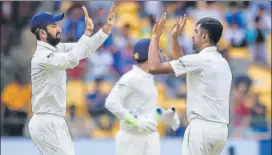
[[152, 69], [74, 63], [151, 66]]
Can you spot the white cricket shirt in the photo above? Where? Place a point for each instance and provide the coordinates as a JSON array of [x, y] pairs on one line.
[[134, 92], [208, 79], [48, 71]]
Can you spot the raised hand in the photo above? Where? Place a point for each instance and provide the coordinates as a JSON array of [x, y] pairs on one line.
[[89, 26], [179, 26], [111, 19], [159, 26]]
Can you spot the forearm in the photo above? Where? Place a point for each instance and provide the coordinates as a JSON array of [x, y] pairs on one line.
[[154, 64], [116, 108], [153, 56], [177, 51]]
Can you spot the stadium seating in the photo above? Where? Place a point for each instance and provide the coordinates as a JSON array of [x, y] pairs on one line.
[[268, 49], [239, 53], [261, 79], [15, 96], [266, 100], [76, 96]]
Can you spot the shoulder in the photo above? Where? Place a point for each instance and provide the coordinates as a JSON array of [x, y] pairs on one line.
[[192, 58], [124, 79], [130, 78], [41, 54], [61, 47]]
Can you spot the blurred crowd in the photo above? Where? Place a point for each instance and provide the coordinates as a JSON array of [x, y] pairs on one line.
[[246, 44]]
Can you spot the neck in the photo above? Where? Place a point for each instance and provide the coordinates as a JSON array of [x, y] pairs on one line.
[[205, 46], [43, 40], [143, 66]]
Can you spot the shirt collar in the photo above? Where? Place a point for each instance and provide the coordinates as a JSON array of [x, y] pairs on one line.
[[140, 71], [45, 45], [209, 49]]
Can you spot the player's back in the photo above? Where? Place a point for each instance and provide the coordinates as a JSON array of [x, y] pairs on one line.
[[137, 93], [209, 89]]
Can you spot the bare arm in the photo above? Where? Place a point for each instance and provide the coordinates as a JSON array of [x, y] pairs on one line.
[[176, 49], [181, 66], [155, 66]]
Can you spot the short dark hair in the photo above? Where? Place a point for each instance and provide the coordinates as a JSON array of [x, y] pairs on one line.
[[214, 28], [36, 32]]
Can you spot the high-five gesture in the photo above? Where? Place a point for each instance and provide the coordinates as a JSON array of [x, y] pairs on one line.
[[159, 26], [89, 26], [179, 26], [177, 52], [111, 19]]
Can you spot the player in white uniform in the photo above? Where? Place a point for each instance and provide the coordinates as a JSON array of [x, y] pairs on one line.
[[48, 127], [133, 100], [208, 79]]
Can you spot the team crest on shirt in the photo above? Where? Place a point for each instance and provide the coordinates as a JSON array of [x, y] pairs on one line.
[[136, 56], [181, 63], [199, 72], [50, 55], [121, 86]]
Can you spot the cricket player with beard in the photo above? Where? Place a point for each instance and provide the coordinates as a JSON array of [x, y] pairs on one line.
[[48, 127], [208, 79], [134, 100]]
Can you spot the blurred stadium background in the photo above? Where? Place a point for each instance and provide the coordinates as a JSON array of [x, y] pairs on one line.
[[246, 44]]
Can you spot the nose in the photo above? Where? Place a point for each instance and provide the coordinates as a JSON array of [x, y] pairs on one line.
[[59, 29]]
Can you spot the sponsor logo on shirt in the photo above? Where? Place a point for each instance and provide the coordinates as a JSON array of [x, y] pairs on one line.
[[181, 63]]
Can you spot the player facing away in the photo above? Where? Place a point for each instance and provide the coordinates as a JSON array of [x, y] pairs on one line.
[[48, 127], [133, 100], [208, 79]]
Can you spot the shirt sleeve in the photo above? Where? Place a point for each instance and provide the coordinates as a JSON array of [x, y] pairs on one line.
[[94, 43], [115, 100], [82, 49], [67, 47], [186, 64]]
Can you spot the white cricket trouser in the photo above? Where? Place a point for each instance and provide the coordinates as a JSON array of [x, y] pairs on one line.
[[130, 143], [51, 134], [204, 138]]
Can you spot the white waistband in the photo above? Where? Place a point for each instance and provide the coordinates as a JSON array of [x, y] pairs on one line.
[[196, 117]]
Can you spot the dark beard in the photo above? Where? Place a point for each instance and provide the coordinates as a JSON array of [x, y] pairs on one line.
[[52, 40]]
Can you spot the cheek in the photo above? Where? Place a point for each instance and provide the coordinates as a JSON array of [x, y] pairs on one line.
[[55, 32], [197, 38]]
